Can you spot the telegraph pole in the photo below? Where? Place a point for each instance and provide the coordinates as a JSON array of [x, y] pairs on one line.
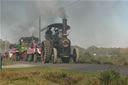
[[39, 27], [6, 44], [32, 36]]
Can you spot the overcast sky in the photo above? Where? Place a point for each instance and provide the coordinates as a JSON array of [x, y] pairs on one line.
[[103, 23]]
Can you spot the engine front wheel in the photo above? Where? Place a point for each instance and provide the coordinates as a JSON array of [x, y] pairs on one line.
[[54, 55], [65, 59], [35, 56], [17, 58], [76, 55], [25, 56], [30, 57]]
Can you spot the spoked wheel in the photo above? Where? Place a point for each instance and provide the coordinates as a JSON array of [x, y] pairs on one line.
[[35, 57], [17, 57], [46, 51], [30, 57], [25, 56], [76, 55], [54, 55]]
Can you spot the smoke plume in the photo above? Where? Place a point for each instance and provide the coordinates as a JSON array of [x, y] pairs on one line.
[[27, 23]]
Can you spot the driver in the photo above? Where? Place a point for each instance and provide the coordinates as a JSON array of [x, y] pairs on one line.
[[48, 34]]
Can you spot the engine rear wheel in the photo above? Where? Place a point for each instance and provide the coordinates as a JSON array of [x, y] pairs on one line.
[[54, 55], [76, 55], [46, 51]]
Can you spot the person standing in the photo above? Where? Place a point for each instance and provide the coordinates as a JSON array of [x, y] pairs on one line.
[[33, 44]]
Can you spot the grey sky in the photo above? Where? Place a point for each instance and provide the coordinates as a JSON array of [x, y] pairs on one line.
[[101, 23]]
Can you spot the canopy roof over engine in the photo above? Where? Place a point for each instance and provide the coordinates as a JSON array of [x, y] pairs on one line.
[[55, 25]]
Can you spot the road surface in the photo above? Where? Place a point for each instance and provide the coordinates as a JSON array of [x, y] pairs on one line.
[[83, 67]]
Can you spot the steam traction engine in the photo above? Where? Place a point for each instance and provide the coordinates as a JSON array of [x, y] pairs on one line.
[[57, 44]]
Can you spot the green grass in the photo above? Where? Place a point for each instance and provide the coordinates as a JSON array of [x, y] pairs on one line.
[[44, 76], [49, 76], [114, 60]]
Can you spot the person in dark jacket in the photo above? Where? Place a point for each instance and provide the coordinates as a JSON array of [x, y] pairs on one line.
[[48, 34]]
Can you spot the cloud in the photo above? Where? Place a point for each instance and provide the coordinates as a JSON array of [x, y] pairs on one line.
[[21, 17], [93, 22]]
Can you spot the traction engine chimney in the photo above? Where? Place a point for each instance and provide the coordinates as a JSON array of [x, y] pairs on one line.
[[64, 26]]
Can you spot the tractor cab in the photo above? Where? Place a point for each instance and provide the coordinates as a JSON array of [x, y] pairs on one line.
[[55, 31]]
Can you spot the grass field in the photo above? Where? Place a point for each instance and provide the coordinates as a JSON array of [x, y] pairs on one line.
[[55, 76], [114, 60], [114, 56]]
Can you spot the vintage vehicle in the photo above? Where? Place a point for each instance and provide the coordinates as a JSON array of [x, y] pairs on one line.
[[19, 51], [4, 55], [25, 44], [14, 54], [57, 45], [34, 54]]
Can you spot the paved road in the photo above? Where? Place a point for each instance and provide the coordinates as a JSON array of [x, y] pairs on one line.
[[84, 67], [91, 67], [18, 66]]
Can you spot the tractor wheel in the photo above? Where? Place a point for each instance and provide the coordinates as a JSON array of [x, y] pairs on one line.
[[39, 58], [17, 58], [46, 51], [25, 56], [54, 55], [35, 56], [29, 57], [65, 60], [75, 55]]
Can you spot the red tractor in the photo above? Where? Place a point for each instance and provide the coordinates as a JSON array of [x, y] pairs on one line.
[[14, 54], [25, 44], [5, 55], [34, 54]]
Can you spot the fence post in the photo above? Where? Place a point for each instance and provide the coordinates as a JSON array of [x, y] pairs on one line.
[[0, 62]]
